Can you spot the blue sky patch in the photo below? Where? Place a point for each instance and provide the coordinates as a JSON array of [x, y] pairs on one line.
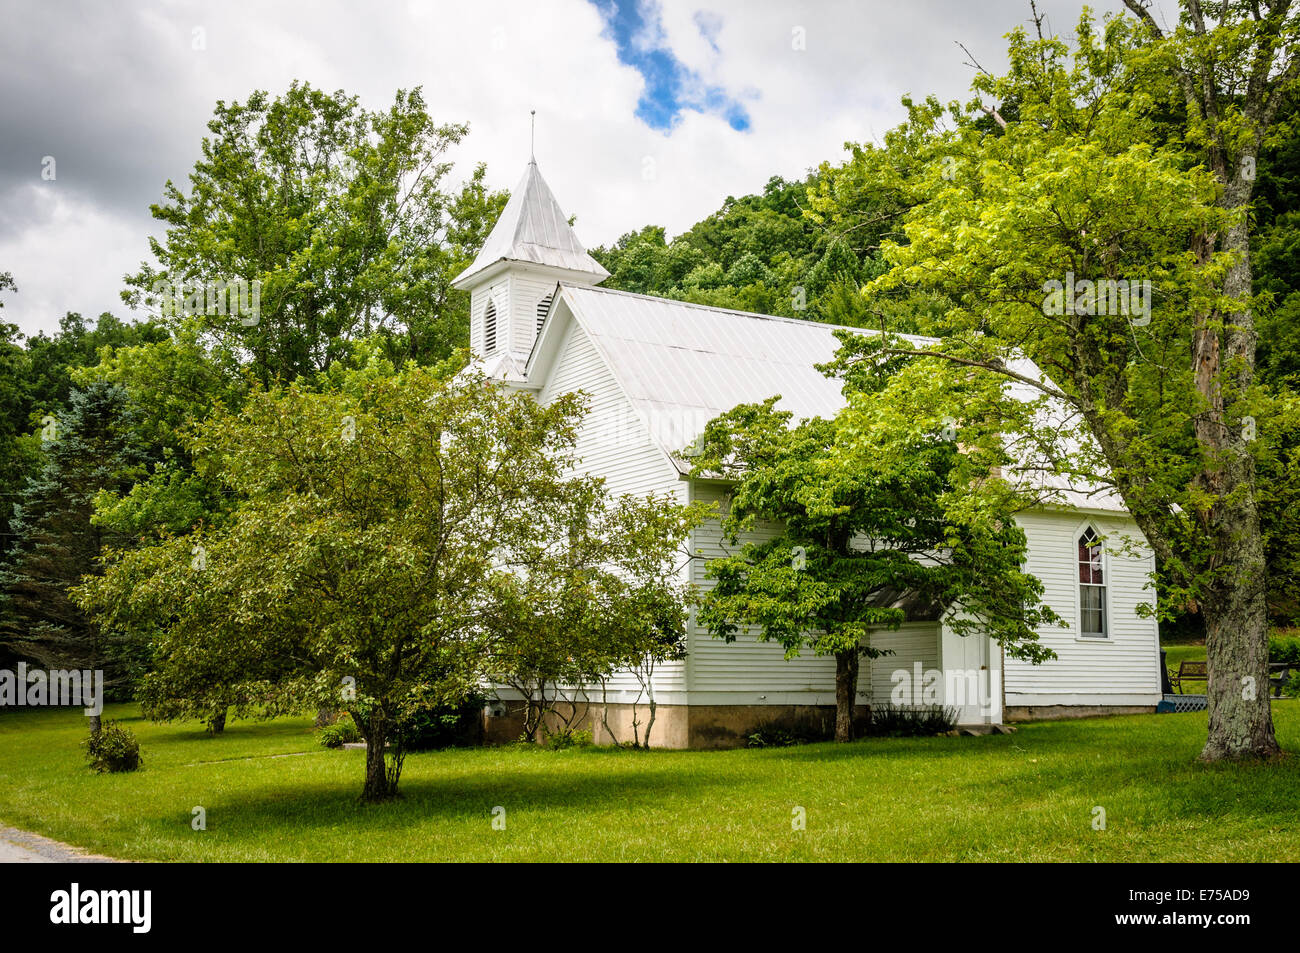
[[670, 86]]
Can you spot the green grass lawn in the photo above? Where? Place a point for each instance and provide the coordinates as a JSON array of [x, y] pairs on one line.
[[272, 794], [1190, 652]]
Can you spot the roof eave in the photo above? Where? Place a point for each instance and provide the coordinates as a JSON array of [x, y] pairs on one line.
[[477, 274]]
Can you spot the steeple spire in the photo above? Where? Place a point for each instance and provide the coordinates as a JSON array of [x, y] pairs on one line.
[[532, 137], [534, 229]]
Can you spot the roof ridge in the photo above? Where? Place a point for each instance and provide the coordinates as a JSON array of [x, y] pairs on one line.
[[801, 322]]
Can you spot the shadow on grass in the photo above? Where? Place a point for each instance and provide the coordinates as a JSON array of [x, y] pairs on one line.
[[457, 797], [1051, 763]]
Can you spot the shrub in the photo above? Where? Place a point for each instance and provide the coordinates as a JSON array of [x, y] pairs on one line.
[[773, 738], [113, 749], [783, 733], [899, 721], [1284, 649], [342, 732], [453, 726], [569, 738]]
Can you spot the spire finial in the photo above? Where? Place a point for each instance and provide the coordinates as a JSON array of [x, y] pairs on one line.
[[532, 136]]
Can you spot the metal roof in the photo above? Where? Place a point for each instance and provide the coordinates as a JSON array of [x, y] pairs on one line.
[[533, 228], [682, 364]]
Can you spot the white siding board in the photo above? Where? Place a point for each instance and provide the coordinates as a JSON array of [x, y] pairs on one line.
[[1126, 663], [749, 668], [612, 443], [912, 643], [525, 293]]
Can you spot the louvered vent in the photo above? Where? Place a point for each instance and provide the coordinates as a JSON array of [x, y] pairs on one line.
[[543, 306], [490, 328]]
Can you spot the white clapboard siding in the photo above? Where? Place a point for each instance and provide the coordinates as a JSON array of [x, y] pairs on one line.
[[1123, 666], [526, 291], [912, 643], [615, 444], [499, 292], [750, 671]]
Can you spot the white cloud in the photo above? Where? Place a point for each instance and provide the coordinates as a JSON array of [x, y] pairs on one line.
[[129, 97], [70, 253]]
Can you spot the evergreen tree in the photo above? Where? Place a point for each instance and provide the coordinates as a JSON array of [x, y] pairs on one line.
[[90, 448]]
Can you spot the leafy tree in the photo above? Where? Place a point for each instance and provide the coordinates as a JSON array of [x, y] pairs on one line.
[[36, 380], [341, 215], [176, 383], [19, 451], [876, 510], [756, 253], [1080, 186], [92, 448], [838, 266], [53, 359], [602, 591], [372, 551]]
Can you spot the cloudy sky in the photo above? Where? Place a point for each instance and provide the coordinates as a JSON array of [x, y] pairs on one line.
[[648, 112]]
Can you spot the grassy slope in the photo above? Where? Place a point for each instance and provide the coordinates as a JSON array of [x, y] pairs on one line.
[[1027, 796], [1179, 653]]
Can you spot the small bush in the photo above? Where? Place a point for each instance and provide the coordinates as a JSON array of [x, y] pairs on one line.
[[569, 739], [113, 749], [784, 733], [899, 721], [439, 727], [342, 732], [1284, 649]]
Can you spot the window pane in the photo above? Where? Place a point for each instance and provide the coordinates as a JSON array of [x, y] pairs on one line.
[[1092, 605], [1090, 558]]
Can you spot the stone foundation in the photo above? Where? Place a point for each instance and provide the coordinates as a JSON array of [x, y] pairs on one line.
[[678, 726], [729, 726], [1056, 712]]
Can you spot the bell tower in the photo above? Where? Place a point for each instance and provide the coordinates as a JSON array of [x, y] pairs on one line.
[[531, 247]]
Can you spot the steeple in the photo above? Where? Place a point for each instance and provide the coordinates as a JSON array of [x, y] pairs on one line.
[[533, 228], [512, 278]]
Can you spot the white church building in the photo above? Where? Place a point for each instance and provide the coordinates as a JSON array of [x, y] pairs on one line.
[[655, 371]]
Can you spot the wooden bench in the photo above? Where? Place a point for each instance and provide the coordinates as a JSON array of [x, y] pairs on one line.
[[1188, 671], [1279, 675]]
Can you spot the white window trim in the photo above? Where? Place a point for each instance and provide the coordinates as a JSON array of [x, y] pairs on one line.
[[1106, 638]]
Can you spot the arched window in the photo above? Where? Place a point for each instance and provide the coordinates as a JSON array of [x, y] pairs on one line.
[[542, 307], [490, 328], [1092, 586]]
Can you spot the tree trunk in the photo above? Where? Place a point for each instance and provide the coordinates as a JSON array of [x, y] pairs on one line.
[[381, 784], [532, 719], [1235, 607], [846, 693], [95, 723], [217, 722], [1236, 645]]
